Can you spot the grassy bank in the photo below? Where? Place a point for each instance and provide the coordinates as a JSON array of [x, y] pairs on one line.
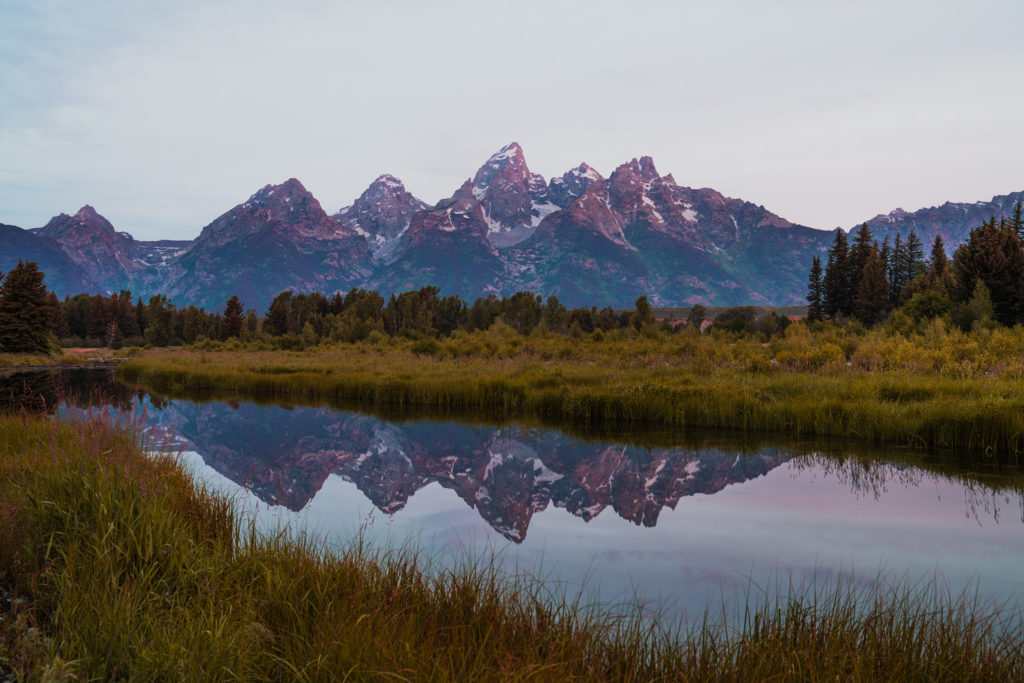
[[890, 393], [63, 358], [118, 566]]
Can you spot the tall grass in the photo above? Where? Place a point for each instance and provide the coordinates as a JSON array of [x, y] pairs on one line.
[[663, 383], [118, 566]]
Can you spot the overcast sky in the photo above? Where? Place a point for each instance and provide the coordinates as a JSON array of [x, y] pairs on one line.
[[163, 115]]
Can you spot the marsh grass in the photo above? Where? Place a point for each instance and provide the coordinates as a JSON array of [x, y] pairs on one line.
[[655, 384], [117, 565]]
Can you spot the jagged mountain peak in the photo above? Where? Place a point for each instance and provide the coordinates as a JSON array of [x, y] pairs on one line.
[[382, 214], [85, 218], [290, 188], [642, 169], [505, 167], [572, 184], [86, 213]]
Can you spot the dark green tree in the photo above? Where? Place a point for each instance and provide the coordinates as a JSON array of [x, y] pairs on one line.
[[280, 320], [815, 291], [25, 311], [872, 298], [1017, 221], [993, 255], [642, 315], [234, 317], [860, 251], [837, 299], [696, 316], [159, 321]]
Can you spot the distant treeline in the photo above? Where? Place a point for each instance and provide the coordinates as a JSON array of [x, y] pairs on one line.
[[984, 282], [300, 320]]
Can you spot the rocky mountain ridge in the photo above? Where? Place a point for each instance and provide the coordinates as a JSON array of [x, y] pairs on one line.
[[587, 239]]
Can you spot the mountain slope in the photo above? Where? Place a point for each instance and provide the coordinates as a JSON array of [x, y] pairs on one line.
[[280, 239], [952, 221], [62, 275]]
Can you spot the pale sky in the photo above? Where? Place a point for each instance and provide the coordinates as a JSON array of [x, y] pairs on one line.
[[164, 115]]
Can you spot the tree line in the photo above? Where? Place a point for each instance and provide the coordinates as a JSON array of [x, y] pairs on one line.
[[983, 283], [33, 319]]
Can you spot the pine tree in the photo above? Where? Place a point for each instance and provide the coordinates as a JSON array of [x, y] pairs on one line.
[[815, 291], [837, 296], [860, 251], [698, 313], [642, 315], [25, 311], [894, 269], [994, 256], [914, 264], [233, 317], [872, 298], [939, 262], [1017, 221]]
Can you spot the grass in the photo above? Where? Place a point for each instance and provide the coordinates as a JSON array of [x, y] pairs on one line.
[[63, 358], [799, 386], [118, 566]]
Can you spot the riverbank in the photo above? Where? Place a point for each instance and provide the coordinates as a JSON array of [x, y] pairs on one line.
[[116, 564], [799, 386], [68, 358]]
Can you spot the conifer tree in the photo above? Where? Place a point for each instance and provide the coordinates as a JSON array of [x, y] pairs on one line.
[[914, 264], [872, 298], [860, 251], [1017, 221], [698, 313], [994, 256], [234, 317], [939, 262], [25, 311], [894, 268], [837, 297], [642, 316], [815, 291]]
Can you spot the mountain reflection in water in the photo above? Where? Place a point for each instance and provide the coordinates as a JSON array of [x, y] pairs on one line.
[[506, 474], [807, 512]]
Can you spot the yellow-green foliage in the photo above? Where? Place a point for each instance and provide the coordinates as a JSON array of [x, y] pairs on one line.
[[118, 567], [25, 360], [937, 389]]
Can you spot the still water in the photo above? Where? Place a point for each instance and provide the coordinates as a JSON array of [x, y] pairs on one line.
[[675, 529]]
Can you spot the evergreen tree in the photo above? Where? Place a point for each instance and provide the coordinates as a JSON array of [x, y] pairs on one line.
[[159, 321], [279, 318], [234, 317], [698, 313], [25, 311], [642, 315], [860, 251], [837, 298], [98, 319], [58, 321], [995, 256], [114, 338], [1017, 222], [894, 269], [939, 262], [914, 264], [815, 291], [872, 298]]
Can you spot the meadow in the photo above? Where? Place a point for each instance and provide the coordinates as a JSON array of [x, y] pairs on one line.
[[114, 564], [933, 388]]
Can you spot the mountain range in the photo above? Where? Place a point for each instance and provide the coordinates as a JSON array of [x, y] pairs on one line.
[[587, 239]]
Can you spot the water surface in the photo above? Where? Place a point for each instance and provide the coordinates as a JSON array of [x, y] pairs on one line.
[[674, 528]]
